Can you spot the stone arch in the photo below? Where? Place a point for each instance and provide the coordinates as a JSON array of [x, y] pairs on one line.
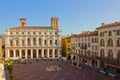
[[23, 54], [17, 53]]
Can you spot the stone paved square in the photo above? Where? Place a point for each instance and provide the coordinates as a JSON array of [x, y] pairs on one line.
[[37, 71]]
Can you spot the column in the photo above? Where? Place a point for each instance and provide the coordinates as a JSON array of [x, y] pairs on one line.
[[19, 54], [37, 52], [53, 53], [31, 41], [25, 53], [42, 53], [20, 42], [31, 54], [37, 43], [26, 41], [48, 53], [14, 54]]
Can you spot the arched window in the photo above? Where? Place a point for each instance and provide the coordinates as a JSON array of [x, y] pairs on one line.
[[110, 54]]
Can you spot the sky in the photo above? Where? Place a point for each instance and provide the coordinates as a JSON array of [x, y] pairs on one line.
[[75, 16]]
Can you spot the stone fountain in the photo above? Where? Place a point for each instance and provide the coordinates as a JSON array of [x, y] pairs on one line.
[[53, 68]]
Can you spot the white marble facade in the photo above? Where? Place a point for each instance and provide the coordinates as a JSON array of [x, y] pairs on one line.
[[30, 42]]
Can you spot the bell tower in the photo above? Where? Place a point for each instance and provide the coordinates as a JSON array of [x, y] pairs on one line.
[[54, 22], [22, 22]]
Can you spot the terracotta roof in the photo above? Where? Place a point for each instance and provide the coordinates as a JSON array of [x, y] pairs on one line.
[[84, 34], [109, 25], [32, 27]]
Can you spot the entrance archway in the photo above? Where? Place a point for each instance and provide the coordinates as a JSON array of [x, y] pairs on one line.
[[34, 53]]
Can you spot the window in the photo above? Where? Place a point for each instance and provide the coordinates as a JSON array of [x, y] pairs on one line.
[[56, 42], [102, 54], [102, 42], [102, 34], [29, 41], [88, 44], [118, 32], [11, 33], [17, 53], [23, 42], [17, 33], [55, 33], [23, 33], [118, 42], [34, 33], [11, 43], [50, 42], [45, 33], [17, 43], [68, 40], [118, 56], [110, 42], [109, 33], [28, 33], [96, 48], [39, 41], [92, 47], [45, 42], [110, 54], [11, 53]]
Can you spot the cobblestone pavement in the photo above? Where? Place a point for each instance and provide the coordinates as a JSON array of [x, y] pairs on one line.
[[37, 71]]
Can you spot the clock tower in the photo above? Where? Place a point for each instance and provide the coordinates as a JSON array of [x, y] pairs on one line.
[[54, 22], [22, 22]]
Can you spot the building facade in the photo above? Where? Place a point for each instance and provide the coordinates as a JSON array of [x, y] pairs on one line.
[[85, 48], [109, 46], [0, 47], [30, 42], [66, 46]]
